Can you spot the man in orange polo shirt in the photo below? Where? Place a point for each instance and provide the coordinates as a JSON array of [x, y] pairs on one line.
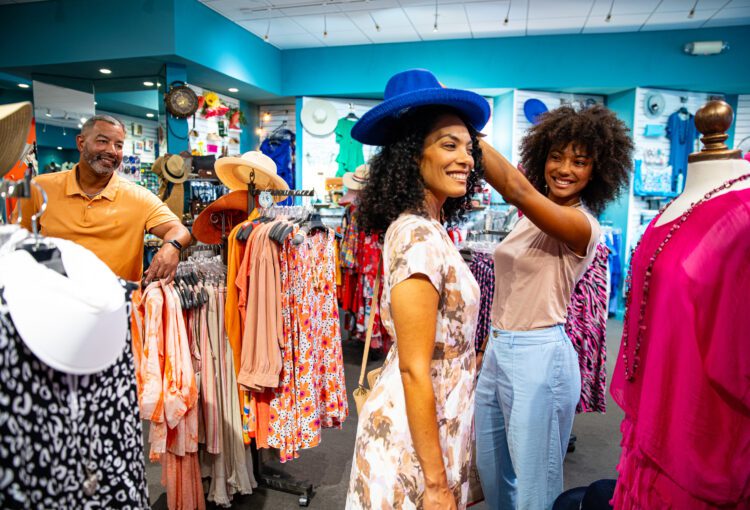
[[92, 206]]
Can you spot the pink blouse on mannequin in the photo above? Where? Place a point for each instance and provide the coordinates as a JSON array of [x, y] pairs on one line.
[[686, 432]]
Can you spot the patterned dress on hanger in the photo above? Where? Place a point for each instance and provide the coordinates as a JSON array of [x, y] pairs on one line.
[[41, 466], [385, 470]]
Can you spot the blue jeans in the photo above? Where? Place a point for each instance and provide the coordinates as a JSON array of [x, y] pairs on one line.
[[526, 399]]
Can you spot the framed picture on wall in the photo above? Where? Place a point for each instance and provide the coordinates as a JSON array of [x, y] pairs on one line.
[[137, 129], [148, 146], [138, 147]]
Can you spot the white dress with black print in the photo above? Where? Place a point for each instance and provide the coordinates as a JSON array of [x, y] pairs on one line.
[[42, 450]]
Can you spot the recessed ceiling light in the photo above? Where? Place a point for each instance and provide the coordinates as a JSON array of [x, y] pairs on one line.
[[23, 85], [59, 148], [148, 83], [233, 89], [104, 70], [149, 115]]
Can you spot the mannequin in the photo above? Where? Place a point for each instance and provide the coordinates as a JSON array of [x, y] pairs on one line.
[[714, 165], [683, 372]]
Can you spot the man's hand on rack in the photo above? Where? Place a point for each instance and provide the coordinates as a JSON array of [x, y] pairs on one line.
[[164, 265]]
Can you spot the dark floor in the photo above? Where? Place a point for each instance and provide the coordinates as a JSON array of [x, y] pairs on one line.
[[328, 465]]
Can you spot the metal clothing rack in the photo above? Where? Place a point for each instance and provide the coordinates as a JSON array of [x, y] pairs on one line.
[[253, 192], [276, 481]]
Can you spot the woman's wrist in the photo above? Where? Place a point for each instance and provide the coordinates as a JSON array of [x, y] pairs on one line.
[[436, 480]]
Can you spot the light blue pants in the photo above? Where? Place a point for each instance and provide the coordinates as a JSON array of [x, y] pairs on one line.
[[526, 398]]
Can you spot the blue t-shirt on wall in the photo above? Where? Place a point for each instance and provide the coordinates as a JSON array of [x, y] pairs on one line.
[[682, 133]]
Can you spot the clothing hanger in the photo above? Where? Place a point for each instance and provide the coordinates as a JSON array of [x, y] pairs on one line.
[[43, 251], [351, 115]]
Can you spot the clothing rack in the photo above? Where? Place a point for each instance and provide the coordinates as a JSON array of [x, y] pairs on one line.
[[252, 192], [276, 480]]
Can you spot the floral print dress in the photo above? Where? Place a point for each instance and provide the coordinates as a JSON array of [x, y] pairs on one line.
[[385, 470]]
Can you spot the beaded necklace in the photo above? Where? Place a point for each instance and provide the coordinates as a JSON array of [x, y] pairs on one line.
[[630, 368]]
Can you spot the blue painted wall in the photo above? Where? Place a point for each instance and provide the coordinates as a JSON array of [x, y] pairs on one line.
[[598, 62], [84, 30], [52, 136], [177, 129], [623, 104], [207, 38]]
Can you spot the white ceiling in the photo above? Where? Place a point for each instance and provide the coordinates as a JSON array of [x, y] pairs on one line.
[[301, 23]]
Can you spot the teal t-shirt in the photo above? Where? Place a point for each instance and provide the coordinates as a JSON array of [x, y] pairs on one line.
[[350, 150]]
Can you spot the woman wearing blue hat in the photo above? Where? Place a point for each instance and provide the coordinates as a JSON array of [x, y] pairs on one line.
[[413, 447], [576, 162]]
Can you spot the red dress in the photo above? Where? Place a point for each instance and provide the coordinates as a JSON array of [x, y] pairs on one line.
[[686, 431]]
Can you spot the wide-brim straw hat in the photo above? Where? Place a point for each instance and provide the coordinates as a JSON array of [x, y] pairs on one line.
[[171, 167], [235, 172], [15, 122], [357, 179]]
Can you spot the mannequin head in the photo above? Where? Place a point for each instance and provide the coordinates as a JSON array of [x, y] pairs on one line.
[[573, 155]]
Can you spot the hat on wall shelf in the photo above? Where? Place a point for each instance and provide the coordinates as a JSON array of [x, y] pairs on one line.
[[318, 117], [357, 179], [654, 104], [15, 122], [235, 172], [410, 89], [172, 168], [533, 108]]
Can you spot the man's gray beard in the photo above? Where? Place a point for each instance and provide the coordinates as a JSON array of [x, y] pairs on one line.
[[97, 166]]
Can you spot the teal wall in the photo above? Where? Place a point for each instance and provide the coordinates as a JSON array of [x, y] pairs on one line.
[[86, 30], [52, 136], [502, 127], [593, 63]]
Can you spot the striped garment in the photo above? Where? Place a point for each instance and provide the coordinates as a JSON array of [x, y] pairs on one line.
[[587, 328]]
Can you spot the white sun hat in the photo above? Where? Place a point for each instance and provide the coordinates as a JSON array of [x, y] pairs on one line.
[[319, 117]]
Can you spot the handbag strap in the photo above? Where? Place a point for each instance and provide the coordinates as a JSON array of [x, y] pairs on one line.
[[370, 322]]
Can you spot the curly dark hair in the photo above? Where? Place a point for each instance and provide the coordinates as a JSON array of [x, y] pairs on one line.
[[600, 132], [395, 184]]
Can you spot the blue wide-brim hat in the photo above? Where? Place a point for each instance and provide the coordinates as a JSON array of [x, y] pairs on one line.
[[408, 89]]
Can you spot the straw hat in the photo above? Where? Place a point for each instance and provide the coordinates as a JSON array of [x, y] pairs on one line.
[[15, 122], [235, 172], [357, 179], [318, 117], [172, 168], [234, 207]]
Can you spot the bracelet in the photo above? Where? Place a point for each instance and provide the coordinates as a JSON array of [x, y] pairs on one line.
[[176, 244]]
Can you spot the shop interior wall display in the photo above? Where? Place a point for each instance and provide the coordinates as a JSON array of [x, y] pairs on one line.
[[205, 133], [742, 124], [551, 100], [318, 159], [641, 210], [275, 117]]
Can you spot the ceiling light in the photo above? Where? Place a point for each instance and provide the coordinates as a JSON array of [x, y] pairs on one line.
[[268, 31], [48, 114], [59, 148], [83, 119], [692, 11], [259, 131], [706, 47], [95, 103], [507, 14], [104, 70], [325, 25], [80, 125], [609, 14], [149, 115], [158, 84], [435, 26], [148, 83], [23, 85], [266, 117], [377, 27], [233, 89]]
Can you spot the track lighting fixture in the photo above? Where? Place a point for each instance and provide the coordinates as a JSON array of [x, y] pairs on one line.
[[609, 14], [691, 14]]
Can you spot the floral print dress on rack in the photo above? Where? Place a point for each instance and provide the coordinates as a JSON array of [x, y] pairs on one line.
[[385, 470]]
